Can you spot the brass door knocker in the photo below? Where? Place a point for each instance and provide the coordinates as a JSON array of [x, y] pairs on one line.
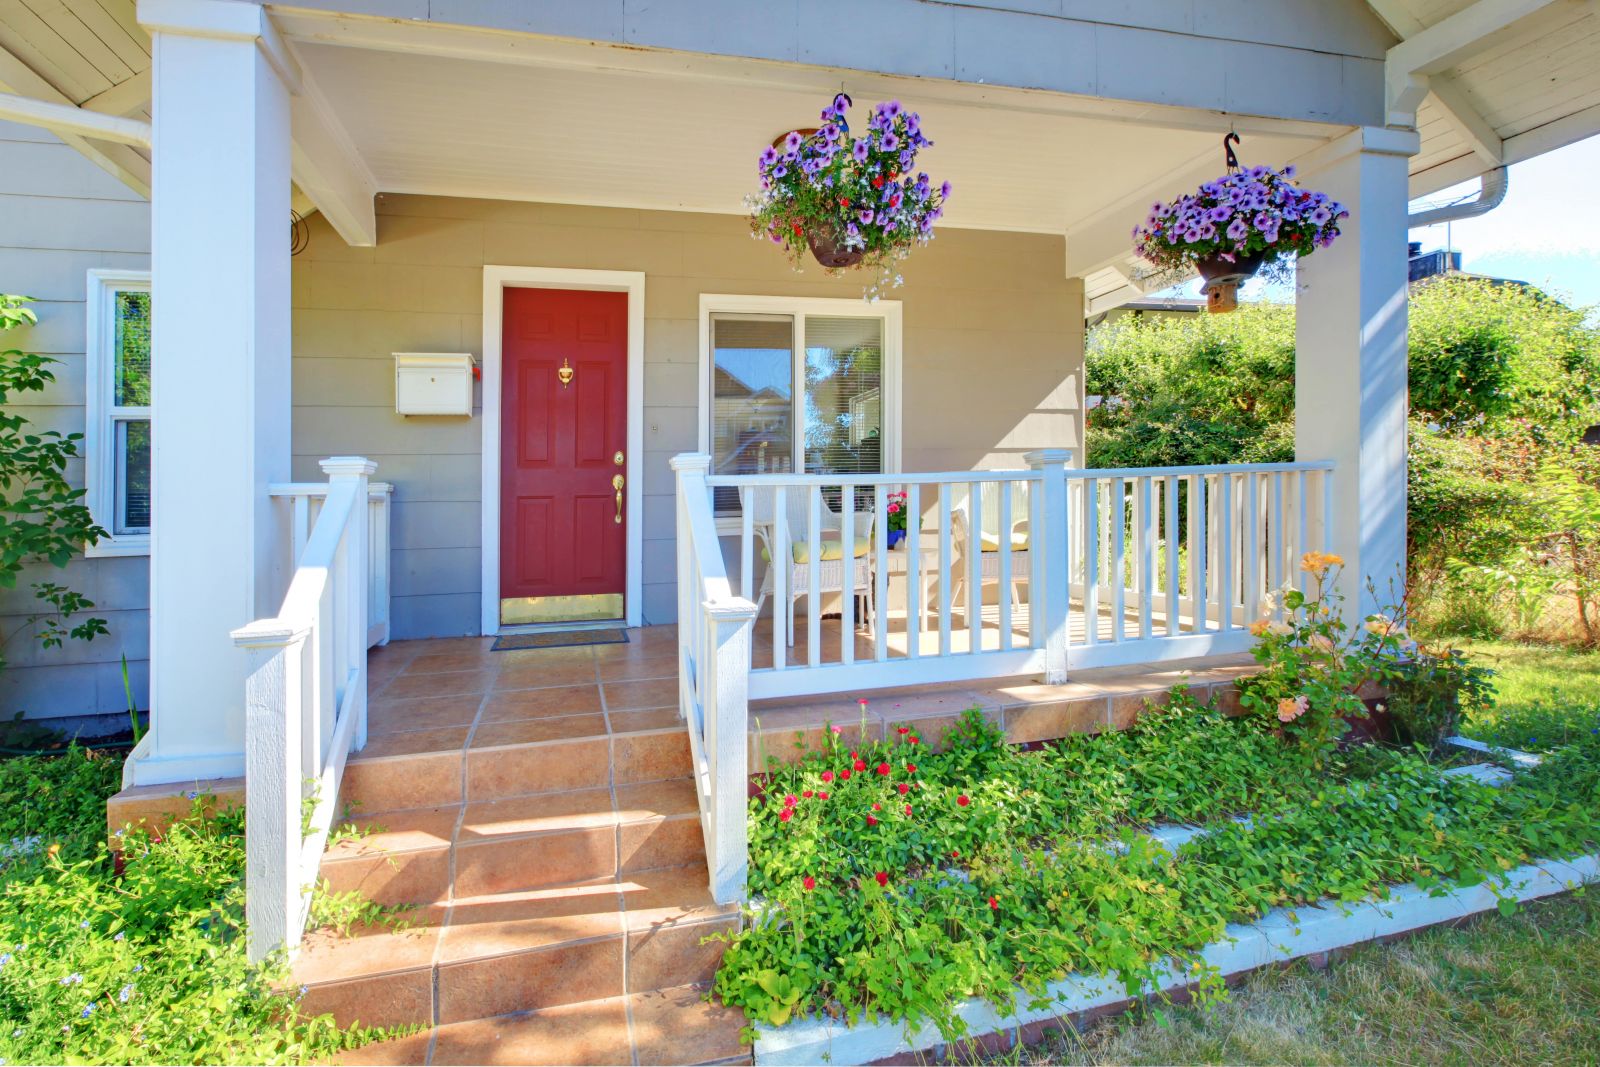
[[564, 373]]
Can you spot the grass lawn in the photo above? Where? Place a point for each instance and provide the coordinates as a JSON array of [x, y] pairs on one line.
[[1524, 989], [1544, 696]]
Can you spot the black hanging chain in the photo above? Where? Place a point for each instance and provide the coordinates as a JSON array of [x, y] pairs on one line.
[[1228, 141]]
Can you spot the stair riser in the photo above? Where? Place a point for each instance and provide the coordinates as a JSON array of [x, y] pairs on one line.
[[392, 878], [507, 866]]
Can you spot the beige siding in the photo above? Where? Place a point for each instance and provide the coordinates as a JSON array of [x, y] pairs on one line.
[[64, 216], [992, 359]]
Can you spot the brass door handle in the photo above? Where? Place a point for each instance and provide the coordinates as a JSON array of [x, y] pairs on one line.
[[617, 483]]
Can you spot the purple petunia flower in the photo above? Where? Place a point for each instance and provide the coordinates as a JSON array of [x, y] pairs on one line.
[[779, 171], [944, 191], [892, 109], [791, 143], [1238, 230], [866, 216], [769, 157], [891, 143], [841, 103], [1219, 213], [1321, 216], [859, 151]]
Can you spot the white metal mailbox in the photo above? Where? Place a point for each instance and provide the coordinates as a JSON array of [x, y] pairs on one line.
[[433, 383]]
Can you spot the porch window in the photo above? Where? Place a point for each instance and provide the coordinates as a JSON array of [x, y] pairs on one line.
[[799, 385], [117, 437]]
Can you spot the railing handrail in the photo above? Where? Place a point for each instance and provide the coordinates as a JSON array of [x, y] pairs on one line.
[[312, 574], [728, 481], [1204, 469], [279, 490]]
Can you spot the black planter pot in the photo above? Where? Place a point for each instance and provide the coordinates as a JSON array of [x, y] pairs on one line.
[[826, 247]]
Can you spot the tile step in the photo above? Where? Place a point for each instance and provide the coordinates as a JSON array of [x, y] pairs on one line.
[[503, 953]]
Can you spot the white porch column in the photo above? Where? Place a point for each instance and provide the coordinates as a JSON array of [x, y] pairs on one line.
[[220, 274], [1350, 357]]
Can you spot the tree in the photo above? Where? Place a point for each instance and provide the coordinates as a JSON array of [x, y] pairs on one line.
[[43, 519]]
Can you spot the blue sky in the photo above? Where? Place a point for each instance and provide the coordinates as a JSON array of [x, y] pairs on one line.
[[1545, 232]]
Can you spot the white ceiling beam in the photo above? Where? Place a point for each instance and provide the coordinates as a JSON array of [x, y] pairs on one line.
[[1409, 65], [1569, 129], [64, 118], [1467, 120], [329, 170], [1397, 17], [124, 98], [118, 160]]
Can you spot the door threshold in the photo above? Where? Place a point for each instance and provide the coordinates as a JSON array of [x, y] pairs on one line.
[[559, 627]]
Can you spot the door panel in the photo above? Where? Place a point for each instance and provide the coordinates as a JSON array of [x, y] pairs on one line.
[[559, 537]]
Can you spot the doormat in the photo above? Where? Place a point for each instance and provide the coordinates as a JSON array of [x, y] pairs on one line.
[[560, 639]]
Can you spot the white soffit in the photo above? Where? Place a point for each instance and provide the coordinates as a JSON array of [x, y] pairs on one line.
[[602, 133]]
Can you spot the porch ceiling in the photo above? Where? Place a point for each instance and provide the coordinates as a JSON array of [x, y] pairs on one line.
[[684, 136]]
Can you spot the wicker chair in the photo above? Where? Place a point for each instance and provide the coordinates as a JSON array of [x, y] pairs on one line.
[[831, 572]]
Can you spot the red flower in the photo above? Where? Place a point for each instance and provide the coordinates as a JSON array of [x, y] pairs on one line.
[[877, 807], [844, 201], [862, 701], [882, 877], [790, 801], [904, 789], [827, 776], [963, 800], [911, 768], [786, 814], [808, 794], [884, 769], [894, 201], [872, 820], [908, 811], [822, 796], [844, 775], [994, 905], [853, 754], [903, 730], [955, 853], [796, 229], [877, 181], [809, 882], [913, 740], [861, 764]]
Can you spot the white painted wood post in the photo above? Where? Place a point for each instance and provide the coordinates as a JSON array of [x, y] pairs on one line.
[[220, 278], [274, 696], [378, 539], [690, 469], [1050, 549], [728, 626], [1350, 357], [355, 471]]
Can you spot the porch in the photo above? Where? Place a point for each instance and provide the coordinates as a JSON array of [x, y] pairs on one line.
[[538, 808]]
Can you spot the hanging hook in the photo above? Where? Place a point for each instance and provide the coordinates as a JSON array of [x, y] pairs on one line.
[[1228, 142]]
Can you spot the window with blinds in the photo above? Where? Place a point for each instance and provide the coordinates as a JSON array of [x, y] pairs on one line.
[[761, 423]]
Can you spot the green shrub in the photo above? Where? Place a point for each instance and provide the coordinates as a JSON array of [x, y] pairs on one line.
[[55, 800]]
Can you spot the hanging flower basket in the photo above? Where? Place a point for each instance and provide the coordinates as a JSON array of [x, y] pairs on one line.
[[1234, 226], [849, 201]]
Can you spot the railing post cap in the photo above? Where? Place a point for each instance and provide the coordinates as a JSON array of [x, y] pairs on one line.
[[735, 609], [691, 461], [348, 466], [1045, 457]]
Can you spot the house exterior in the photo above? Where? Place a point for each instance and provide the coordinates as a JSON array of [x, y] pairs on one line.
[[661, 405]]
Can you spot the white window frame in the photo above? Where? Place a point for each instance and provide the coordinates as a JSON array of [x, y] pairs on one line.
[[799, 307], [100, 431]]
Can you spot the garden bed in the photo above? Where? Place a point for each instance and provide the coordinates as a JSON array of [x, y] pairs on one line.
[[1020, 886]]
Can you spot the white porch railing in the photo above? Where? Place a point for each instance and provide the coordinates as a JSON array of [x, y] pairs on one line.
[[1001, 574], [305, 500], [306, 708]]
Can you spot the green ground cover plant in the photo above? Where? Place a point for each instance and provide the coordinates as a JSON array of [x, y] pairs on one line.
[[1545, 696], [137, 959]]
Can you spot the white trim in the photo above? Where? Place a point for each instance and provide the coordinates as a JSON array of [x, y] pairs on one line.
[[495, 280], [99, 439], [799, 307]]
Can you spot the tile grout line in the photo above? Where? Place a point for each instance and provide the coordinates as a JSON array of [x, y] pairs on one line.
[[616, 847]]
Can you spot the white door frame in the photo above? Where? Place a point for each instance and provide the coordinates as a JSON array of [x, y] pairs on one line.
[[495, 281]]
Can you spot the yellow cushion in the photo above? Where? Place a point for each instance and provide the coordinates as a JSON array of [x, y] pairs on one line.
[[832, 549], [991, 542]]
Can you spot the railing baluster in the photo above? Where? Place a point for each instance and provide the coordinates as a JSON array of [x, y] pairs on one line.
[[946, 571], [974, 606], [1172, 555], [783, 569], [814, 577], [1004, 593], [1302, 509], [747, 568], [1275, 537], [1119, 560], [1091, 561], [1252, 568], [1327, 511], [880, 586], [916, 607], [1228, 591], [1147, 557], [847, 581]]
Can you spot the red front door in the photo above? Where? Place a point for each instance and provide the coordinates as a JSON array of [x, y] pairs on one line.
[[564, 423]]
